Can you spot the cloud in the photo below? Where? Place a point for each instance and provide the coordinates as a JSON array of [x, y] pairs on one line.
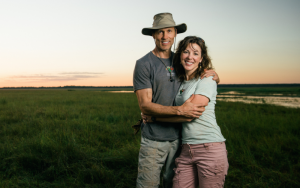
[[64, 76], [82, 73]]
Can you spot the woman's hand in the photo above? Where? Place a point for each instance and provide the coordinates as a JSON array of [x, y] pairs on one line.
[[146, 119]]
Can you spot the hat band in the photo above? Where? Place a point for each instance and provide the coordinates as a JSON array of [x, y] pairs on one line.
[[163, 26], [157, 24]]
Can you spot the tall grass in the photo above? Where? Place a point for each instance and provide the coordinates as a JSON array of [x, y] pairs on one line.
[[262, 141], [67, 139], [58, 138]]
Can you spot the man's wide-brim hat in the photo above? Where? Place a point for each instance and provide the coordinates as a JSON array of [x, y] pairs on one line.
[[164, 20]]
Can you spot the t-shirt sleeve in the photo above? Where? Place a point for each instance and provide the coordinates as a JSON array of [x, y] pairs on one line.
[[141, 75], [206, 87]]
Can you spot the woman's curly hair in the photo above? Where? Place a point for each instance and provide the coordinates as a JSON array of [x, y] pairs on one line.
[[205, 63]]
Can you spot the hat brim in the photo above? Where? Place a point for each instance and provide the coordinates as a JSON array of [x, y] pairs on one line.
[[181, 28]]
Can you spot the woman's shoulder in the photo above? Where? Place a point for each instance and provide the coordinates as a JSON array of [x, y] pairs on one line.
[[206, 83]]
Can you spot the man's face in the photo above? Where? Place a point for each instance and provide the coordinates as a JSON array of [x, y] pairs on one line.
[[164, 38]]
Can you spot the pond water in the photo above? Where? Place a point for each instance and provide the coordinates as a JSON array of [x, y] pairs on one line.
[[292, 102], [233, 96], [232, 93]]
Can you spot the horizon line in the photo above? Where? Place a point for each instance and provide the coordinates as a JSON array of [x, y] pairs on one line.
[[66, 86]]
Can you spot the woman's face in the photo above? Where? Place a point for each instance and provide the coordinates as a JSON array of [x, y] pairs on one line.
[[191, 57]]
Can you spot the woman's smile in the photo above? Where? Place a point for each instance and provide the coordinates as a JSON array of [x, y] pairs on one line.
[[189, 63], [190, 58]]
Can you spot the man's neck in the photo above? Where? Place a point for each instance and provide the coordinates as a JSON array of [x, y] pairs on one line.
[[162, 53]]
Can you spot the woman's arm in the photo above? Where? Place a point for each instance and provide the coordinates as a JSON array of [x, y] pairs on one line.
[[174, 119], [187, 109], [198, 99]]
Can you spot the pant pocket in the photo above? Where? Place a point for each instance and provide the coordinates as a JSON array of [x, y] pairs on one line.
[[213, 168]]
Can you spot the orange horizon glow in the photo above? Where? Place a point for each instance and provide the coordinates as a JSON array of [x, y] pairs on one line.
[[121, 80], [63, 43]]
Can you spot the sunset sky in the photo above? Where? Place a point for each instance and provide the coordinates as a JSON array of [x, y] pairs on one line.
[[96, 43]]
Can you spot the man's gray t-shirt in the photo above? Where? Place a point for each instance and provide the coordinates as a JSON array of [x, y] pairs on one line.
[[150, 72]]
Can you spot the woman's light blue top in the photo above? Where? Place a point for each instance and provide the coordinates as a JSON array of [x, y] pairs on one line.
[[204, 129]]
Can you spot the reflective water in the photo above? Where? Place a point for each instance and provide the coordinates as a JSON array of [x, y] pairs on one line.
[[292, 102], [232, 93], [233, 96]]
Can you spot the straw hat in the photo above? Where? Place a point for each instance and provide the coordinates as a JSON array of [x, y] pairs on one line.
[[164, 20]]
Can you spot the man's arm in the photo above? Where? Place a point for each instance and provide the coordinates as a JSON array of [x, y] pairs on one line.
[[198, 99], [188, 109]]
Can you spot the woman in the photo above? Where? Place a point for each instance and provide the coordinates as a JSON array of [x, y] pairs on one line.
[[203, 159]]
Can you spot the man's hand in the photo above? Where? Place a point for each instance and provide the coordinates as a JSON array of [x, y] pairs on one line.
[[191, 110], [208, 73]]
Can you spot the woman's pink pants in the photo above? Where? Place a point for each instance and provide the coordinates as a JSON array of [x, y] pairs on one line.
[[203, 165]]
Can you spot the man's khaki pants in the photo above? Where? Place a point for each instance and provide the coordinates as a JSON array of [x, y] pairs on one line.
[[152, 157]]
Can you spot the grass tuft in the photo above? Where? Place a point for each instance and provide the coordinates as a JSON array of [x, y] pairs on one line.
[[3, 101]]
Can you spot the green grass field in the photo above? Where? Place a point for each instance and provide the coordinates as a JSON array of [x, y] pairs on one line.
[[83, 138]]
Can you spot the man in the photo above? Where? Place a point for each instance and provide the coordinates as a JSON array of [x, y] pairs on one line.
[[156, 86]]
